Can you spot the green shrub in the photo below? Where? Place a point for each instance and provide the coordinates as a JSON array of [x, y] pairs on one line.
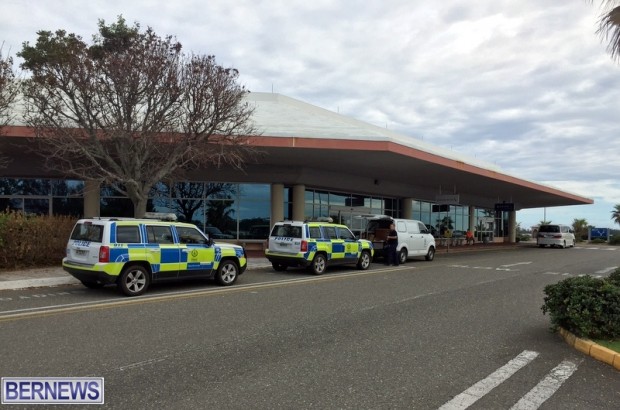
[[614, 277], [598, 241], [33, 241], [614, 240], [585, 306]]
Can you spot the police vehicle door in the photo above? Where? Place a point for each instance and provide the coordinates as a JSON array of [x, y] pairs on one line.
[[416, 238], [197, 254], [351, 245], [162, 253]]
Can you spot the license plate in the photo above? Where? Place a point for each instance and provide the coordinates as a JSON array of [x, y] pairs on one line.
[[81, 252]]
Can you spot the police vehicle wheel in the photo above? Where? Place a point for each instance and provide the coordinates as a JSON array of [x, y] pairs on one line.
[[279, 267], [92, 285], [430, 255], [134, 280], [402, 255], [227, 273], [364, 262], [319, 264]]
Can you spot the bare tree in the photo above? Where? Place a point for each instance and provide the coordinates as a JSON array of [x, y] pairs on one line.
[[609, 26], [189, 197], [132, 109], [8, 93]]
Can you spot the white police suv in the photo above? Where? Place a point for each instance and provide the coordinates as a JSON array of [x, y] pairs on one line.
[[316, 245], [133, 253]]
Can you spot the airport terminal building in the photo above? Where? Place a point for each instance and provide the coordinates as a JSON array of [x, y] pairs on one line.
[[312, 163]]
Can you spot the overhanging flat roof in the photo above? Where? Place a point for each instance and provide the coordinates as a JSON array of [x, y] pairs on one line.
[[304, 144]]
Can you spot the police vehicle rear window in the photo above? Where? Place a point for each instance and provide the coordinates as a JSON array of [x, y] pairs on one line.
[[87, 232], [549, 228], [286, 231]]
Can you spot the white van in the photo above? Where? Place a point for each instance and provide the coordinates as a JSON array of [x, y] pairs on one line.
[[555, 235], [414, 238]]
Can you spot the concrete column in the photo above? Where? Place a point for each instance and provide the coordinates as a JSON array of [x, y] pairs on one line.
[[406, 206], [92, 200], [299, 202], [512, 226], [472, 218], [277, 203]]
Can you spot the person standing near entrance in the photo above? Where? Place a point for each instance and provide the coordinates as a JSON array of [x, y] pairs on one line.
[[469, 236], [392, 244]]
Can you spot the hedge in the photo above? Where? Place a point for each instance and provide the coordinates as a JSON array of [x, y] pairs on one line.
[[586, 306], [28, 241]]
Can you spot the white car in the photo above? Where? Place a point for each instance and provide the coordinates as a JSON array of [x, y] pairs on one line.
[[555, 235]]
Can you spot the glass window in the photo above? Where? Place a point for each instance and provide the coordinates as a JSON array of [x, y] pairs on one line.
[[330, 232], [159, 234], [68, 206], [287, 231], [338, 199], [87, 232], [221, 214], [345, 234], [188, 235], [37, 206], [128, 234], [254, 211], [255, 191], [315, 232]]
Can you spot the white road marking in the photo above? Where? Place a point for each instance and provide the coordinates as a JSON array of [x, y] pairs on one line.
[[516, 264], [483, 387], [593, 248], [505, 268], [607, 270], [546, 387]]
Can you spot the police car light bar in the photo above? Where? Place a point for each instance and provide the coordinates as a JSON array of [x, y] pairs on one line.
[[163, 216]]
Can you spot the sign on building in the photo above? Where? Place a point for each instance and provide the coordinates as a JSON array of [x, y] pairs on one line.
[[447, 199]]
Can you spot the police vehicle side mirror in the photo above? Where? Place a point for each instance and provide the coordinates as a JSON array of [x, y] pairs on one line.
[[210, 241]]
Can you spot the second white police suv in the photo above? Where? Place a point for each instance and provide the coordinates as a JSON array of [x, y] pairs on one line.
[[316, 245]]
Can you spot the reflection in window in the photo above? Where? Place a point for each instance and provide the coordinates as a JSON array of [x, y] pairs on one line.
[[37, 206]]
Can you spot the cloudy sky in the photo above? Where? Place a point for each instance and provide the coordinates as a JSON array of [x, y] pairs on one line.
[[527, 85]]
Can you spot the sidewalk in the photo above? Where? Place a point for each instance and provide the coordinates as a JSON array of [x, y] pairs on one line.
[[56, 276]]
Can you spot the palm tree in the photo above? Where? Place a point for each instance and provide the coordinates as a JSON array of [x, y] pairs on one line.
[[609, 26], [615, 214], [580, 226]]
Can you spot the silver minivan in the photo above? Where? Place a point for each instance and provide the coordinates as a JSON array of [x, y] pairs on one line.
[[555, 235]]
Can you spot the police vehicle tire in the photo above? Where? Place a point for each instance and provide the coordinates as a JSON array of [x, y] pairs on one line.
[[319, 264], [430, 255], [279, 266], [92, 285], [364, 261], [227, 272], [402, 255], [134, 280]]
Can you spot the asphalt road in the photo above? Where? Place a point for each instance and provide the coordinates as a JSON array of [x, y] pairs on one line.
[[463, 331]]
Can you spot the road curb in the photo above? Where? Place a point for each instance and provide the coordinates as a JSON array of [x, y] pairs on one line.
[[38, 283], [592, 349]]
